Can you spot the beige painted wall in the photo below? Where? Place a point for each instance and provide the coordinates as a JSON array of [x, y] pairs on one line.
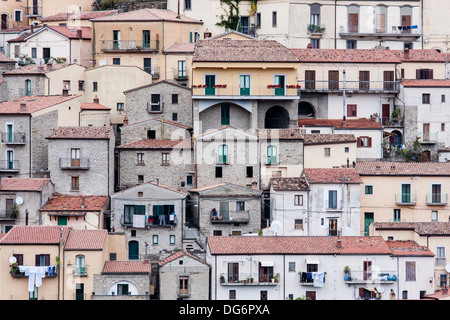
[[314, 155]]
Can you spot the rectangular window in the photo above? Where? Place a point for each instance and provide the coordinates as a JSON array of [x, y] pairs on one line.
[[80, 85], [272, 155], [326, 152], [233, 272], [17, 15], [146, 39], [442, 98], [148, 65], [298, 224], [223, 154], [174, 98], [140, 178], [95, 86], [333, 80], [315, 43], [151, 134], [240, 206], [368, 189], [424, 74], [397, 215], [406, 193], [425, 98], [181, 69], [174, 116], [189, 180], [332, 199], [75, 157], [225, 114], [249, 172], [291, 267], [120, 106], [165, 158], [122, 289], [298, 200], [232, 295], [34, 52], [155, 239], [140, 158], [436, 196], [367, 270], [183, 288], [155, 104], [218, 172], [443, 126], [172, 239], [187, 4], [75, 183], [310, 79], [410, 268], [352, 110], [42, 260], [274, 18], [258, 20], [434, 216], [116, 61], [364, 142]]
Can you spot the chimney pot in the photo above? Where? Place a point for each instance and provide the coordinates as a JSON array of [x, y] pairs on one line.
[[96, 100], [23, 106], [125, 121], [49, 66], [65, 91], [406, 53]]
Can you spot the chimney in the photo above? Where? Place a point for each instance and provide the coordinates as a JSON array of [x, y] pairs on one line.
[[207, 34], [309, 46], [65, 91], [178, 15], [49, 66], [125, 121], [23, 107], [406, 53], [96, 100], [82, 204], [338, 241]]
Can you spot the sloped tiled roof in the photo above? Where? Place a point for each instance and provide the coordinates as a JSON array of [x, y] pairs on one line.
[[325, 138], [69, 32], [180, 254], [86, 240], [180, 47], [422, 228], [289, 184], [23, 184], [74, 203], [346, 55], [172, 123], [6, 59], [135, 266], [426, 83], [242, 51], [36, 69], [157, 144], [282, 134], [238, 245], [420, 55], [33, 103], [408, 248], [156, 83], [391, 168], [78, 15], [332, 175], [100, 132], [35, 235], [147, 15], [223, 184], [361, 123], [93, 106]]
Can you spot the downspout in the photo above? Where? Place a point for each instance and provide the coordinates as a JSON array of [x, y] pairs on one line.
[[162, 50], [335, 24], [93, 44], [29, 169], [108, 142]]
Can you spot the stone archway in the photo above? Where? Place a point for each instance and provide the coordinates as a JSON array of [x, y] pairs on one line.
[[276, 117], [397, 140], [306, 110]]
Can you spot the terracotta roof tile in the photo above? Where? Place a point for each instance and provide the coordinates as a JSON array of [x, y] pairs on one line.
[[426, 83], [420, 55], [6, 59], [361, 123], [289, 184], [408, 248], [242, 51], [157, 144], [139, 266], [332, 175], [324, 138], [86, 240], [79, 15], [297, 245], [173, 123], [74, 203], [101, 132], [179, 47], [33, 103], [282, 134], [223, 184], [35, 235], [36, 69], [149, 15], [346, 55], [93, 106], [155, 83], [23, 184], [389, 168], [180, 254], [71, 32], [422, 228]]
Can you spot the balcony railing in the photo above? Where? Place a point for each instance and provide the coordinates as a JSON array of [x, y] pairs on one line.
[[50, 272], [230, 217], [150, 220], [382, 31], [250, 30], [9, 165], [33, 11], [74, 164], [13, 137], [350, 86], [357, 277], [80, 271], [307, 278], [255, 279], [8, 215], [405, 198], [437, 199], [154, 71], [428, 137], [392, 122], [225, 90], [180, 74], [130, 45], [316, 29]]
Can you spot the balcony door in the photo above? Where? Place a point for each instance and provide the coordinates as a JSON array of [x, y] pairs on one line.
[[75, 157], [353, 22], [146, 39], [368, 219], [406, 23], [210, 81], [224, 210], [367, 268], [426, 132], [332, 227], [280, 81], [244, 84], [116, 39], [406, 193], [10, 159]]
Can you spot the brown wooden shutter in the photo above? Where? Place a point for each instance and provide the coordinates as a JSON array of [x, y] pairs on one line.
[[333, 80], [361, 292], [37, 260], [353, 22], [358, 142], [417, 74], [369, 142], [430, 74]]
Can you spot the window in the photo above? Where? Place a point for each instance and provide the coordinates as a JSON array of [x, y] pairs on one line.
[[28, 87], [271, 155], [181, 69], [62, 221], [352, 110], [265, 272], [274, 18], [187, 4], [183, 288], [332, 199], [194, 36], [424, 74], [232, 294], [406, 193], [298, 200], [151, 134], [442, 98], [95, 86], [436, 193], [146, 39], [434, 216], [140, 179], [315, 43], [364, 78], [218, 172], [148, 65], [233, 272], [174, 116], [310, 79], [34, 52], [244, 84], [298, 224], [116, 61], [223, 153], [172, 239], [17, 15], [291, 267], [122, 289], [364, 142], [240, 206], [397, 215], [155, 239], [249, 172], [258, 20], [315, 14], [75, 183], [410, 268], [425, 98], [224, 114], [165, 158], [368, 189], [120, 106], [440, 256], [174, 98], [42, 260], [75, 157], [80, 85], [333, 79], [140, 158], [346, 149], [443, 126], [189, 180], [367, 270], [351, 44], [326, 152], [155, 103], [80, 265]]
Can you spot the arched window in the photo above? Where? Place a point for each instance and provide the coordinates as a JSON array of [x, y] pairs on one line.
[[223, 153], [80, 266], [28, 87], [271, 155], [133, 250]]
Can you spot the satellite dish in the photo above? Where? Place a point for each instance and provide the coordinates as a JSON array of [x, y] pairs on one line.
[[12, 260], [447, 267], [102, 62], [276, 226], [19, 200]]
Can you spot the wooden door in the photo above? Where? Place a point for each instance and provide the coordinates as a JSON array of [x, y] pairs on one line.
[[380, 23], [388, 80], [244, 85], [75, 158], [311, 295], [426, 132], [368, 219], [353, 22], [333, 228], [310, 79], [364, 78], [333, 80], [385, 113], [4, 21], [406, 24]]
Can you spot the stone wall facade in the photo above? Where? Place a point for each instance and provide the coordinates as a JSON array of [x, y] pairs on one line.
[[16, 86], [104, 285], [162, 130]]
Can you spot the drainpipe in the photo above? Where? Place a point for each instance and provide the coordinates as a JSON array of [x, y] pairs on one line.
[[29, 156], [335, 24], [343, 95]]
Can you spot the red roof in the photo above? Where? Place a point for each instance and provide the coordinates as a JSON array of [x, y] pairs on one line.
[[180, 47], [180, 254], [147, 15], [426, 83], [390, 168], [360, 123], [101, 132], [23, 184], [346, 55], [332, 175], [79, 15], [138, 266], [93, 106], [35, 235], [420, 55], [86, 240], [66, 202], [243, 245], [408, 248], [6, 59], [69, 32], [37, 69], [33, 103]]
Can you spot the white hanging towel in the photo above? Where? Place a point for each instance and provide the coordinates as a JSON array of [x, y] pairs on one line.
[[318, 279], [138, 221]]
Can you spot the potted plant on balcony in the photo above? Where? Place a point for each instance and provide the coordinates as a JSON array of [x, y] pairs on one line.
[[275, 278], [14, 212], [222, 279], [14, 268], [395, 115], [347, 275]]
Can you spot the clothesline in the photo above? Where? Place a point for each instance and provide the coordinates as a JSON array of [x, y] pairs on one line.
[[36, 274]]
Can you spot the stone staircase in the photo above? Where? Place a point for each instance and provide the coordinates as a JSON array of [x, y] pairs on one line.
[[191, 233]]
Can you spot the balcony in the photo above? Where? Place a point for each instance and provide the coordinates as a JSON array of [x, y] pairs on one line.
[[381, 32], [392, 122], [247, 279], [33, 11], [437, 199], [13, 137], [130, 46], [180, 74], [315, 30], [80, 271], [9, 165], [230, 216], [428, 137], [364, 277], [8, 215], [405, 199], [154, 71], [74, 164], [50, 272], [332, 86], [227, 91], [308, 279], [163, 220]]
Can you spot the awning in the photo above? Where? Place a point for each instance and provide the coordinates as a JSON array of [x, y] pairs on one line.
[[312, 261], [267, 263]]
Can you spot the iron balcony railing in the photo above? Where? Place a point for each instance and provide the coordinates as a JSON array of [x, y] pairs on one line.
[[242, 92], [382, 31], [371, 277], [307, 278], [80, 271], [315, 29], [255, 279], [130, 45], [230, 216], [437, 199], [428, 137], [354, 86], [405, 198], [181, 74], [9, 165], [33, 11], [150, 220], [13, 137], [8, 215], [75, 164]]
